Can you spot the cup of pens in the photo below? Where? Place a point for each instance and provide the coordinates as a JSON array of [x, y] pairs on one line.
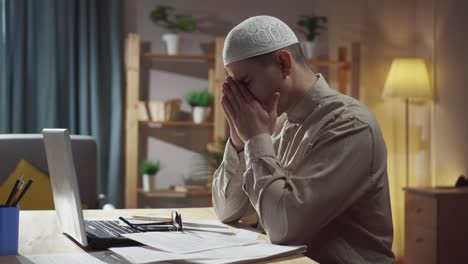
[[9, 223], [9, 218]]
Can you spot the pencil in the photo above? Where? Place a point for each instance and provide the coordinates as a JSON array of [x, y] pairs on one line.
[[13, 191], [23, 192]]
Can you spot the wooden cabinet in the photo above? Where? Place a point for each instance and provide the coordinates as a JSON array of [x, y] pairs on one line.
[[436, 225]]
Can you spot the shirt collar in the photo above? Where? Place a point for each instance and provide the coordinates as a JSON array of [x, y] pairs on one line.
[[306, 105]]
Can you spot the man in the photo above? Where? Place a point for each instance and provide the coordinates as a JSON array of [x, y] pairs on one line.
[[320, 177]]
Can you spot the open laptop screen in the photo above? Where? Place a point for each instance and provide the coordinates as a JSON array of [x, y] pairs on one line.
[[64, 183]]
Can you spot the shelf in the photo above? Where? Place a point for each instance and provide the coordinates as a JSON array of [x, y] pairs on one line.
[[177, 123], [175, 194], [178, 56], [329, 63]]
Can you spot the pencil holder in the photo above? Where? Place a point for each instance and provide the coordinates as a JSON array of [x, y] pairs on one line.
[[9, 224]]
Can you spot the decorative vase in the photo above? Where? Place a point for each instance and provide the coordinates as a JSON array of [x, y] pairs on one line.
[[172, 42], [149, 182], [309, 49], [200, 114]]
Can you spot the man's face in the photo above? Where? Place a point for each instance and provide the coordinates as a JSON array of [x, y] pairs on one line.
[[261, 80]]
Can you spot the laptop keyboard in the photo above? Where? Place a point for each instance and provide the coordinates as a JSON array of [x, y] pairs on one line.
[[105, 229]]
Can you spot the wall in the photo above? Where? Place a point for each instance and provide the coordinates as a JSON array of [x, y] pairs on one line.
[[451, 108]]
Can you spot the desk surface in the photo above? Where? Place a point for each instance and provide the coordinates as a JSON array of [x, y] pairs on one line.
[[40, 233]]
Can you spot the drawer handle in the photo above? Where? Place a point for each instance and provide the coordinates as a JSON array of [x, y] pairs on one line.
[[419, 240], [419, 210]]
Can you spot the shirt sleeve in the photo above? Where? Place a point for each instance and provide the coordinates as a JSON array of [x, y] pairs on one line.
[[229, 200], [334, 173]]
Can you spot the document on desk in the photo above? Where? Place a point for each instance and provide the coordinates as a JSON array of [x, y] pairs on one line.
[[191, 241], [105, 257], [213, 226], [236, 254]]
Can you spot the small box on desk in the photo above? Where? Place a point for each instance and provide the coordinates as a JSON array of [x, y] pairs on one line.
[[9, 223]]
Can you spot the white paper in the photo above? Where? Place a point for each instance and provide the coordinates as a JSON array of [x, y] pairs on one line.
[[188, 241], [256, 251], [73, 258]]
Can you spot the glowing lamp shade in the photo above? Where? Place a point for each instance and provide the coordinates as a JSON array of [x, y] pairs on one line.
[[408, 78]]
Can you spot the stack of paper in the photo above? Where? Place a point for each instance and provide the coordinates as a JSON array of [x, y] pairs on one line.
[[105, 257], [203, 243], [188, 241], [258, 251]]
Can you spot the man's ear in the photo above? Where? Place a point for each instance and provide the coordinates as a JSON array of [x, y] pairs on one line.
[[284, 59]]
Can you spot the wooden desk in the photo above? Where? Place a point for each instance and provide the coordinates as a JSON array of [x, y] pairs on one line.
[[39, 232]]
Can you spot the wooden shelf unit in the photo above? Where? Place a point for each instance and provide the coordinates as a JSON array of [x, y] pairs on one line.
[[348, 71], [174, 193], [177, 123], [347, 76], [177, 56], [170, 198], [133, 57]]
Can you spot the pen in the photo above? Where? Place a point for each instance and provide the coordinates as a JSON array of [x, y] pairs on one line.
[[17, 192], [13, 191], [23, 192]]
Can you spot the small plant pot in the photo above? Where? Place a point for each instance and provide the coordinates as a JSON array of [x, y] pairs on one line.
[[309, 49], [172, 41], [149, 182], [200, 114]]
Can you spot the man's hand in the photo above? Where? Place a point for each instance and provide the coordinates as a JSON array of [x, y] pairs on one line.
[[245, 113], [236, 141]]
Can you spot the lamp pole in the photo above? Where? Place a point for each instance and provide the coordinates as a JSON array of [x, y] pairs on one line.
[[407, 139]]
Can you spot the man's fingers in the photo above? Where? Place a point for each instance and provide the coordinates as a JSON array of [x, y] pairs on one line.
[[273, 107], [235, 88], [227, 108], [228, 93], [226, 113], [246, 94]]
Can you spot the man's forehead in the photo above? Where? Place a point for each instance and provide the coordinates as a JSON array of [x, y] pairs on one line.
[[239, 69]]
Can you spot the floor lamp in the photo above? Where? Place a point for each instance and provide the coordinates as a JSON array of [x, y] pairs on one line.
[[408, 79]]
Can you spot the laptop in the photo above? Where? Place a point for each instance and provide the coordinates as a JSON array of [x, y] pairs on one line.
[[93, 234]]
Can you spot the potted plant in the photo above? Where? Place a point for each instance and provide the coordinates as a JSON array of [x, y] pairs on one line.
[[149, 169], [162, 16], [311, 27], [200, 102]]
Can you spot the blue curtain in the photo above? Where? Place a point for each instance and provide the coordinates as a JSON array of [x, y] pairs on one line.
[[61, 66]]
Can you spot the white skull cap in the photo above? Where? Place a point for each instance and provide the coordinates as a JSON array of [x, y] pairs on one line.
[[256, 36]]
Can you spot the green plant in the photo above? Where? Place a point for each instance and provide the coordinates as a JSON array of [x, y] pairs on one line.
[[199, 98], [149, 167], [311, 26], [161, 15]]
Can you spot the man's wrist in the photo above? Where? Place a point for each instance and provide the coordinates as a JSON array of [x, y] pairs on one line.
[[259, 146], [239, 148]]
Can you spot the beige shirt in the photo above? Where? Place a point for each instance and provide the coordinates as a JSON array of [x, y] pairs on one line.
[[321, 181]]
